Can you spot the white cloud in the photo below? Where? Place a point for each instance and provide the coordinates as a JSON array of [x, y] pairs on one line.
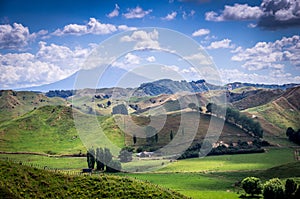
[[51, 63], [271, 54], [200, 32], [132, 59], [185, 15], [115, 12], [274, 77], [92, 27], [173, 68], [151, 59], [269, 15], [280, 14], [137, 12], [198, 59], [170, 16], [225, 43], [128, 62], [15, 37], [143, 39], [126, 28], [236, 12]]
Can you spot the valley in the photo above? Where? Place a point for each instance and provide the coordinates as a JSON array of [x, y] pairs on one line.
[[56, 132]]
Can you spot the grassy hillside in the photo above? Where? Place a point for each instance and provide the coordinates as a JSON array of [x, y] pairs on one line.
[[192, 122], [282, 113], [48, 129], [256, 98], [25, 182], [17, 103], [51, 130]]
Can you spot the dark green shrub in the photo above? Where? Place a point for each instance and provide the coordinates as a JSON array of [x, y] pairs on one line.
[[252, 185], [273, 189]]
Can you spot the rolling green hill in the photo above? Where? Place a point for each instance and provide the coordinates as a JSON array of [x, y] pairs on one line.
[[51, 130], [17, 103], [48, 129], [18, 181]]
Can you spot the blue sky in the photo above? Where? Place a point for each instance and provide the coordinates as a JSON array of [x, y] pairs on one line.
[[43, 42]]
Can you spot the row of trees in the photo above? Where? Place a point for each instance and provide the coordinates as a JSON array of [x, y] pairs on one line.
[[293, 135], [272, 189], [234, 116], [102, 158]]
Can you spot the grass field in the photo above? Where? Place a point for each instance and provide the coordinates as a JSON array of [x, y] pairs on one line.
[[25, 182]]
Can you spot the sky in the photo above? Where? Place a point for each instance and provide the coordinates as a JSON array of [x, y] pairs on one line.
[[255, 41]]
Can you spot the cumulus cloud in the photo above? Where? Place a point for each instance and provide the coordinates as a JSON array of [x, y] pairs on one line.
[[137, 12], [128, 62], [15, 37], [235, 12], [272, 55], [200, 32], [270, 14], [170, 16], [126, 28], [280, 14], [92, 27], [225, 43], [151, 59], [51, 63], [115, 12], [143, 39]]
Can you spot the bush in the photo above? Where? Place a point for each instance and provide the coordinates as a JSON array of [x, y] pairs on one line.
[[252, 185], [290, 188], [273, 189]]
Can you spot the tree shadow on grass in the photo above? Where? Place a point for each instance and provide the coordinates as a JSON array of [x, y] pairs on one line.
[[249, 196]]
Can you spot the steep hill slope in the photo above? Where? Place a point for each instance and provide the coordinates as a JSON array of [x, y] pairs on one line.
[[48, 129], [282, 112], [18, 181], [17, 103], [253, 98]]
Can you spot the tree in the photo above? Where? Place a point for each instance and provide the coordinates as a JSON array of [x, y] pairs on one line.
[[108, 103], [91, 158], [114, 166], [273, 189], [156, 137], [192, 106], [209, 107], [252, 185], [120, 109], [290, 188], [134, 139], [100, 159], [150, 134], [289, 131], [171, 135], [125, 155], [107, 156]]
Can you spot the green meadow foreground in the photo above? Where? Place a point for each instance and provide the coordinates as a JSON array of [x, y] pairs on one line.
[[209, 177]]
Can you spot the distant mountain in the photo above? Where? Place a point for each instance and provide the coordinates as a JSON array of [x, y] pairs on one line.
[[112, 77], [235, 85], [168, 86]]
